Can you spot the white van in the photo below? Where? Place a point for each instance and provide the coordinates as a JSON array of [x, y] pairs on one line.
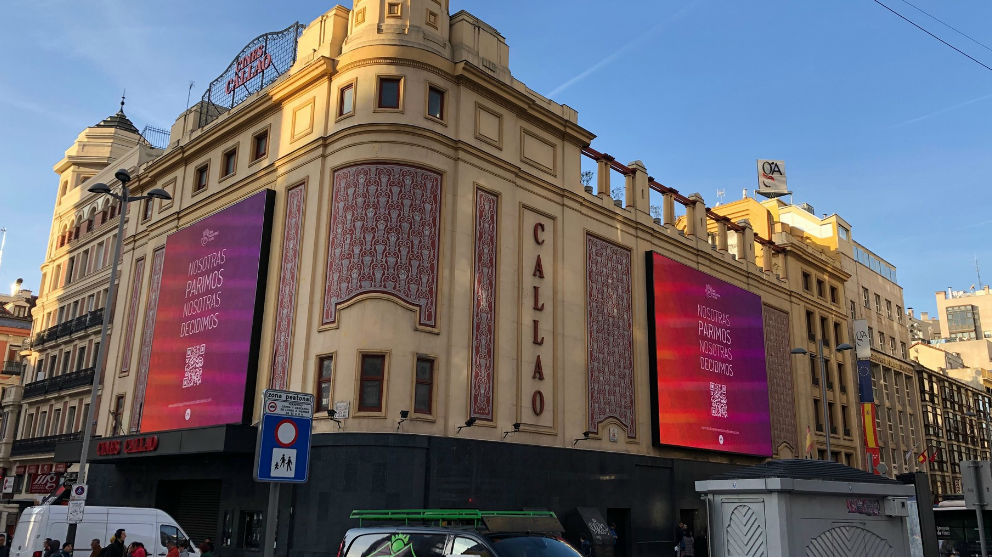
[[152, 527]]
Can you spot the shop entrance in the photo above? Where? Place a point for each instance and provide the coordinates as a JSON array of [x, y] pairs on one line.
[[195, 504]]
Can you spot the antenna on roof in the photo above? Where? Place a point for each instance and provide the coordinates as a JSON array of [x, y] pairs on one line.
[[188, 91], [720, 194], [122, 100]]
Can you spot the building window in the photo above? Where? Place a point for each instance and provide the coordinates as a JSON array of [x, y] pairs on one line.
[[118, 416], [325, 371], [854, 310], [70, 420], [888, 308], [813, 370], [841, 377], [902, 349], [810, 330], [817, 415], [837, 333], [373, 372], [42, 424], [806, 281], [819, 289], [56, 420], [252, 526], [259, 145], [423, 396], [867, 297], [389, 96], [394, 9], [346, 100], [892, 345], [878, 304], [833, 294], [881, 341], [229, 162], [899, 315], [200, 178], [81, 358], [146, 209], [824, 331], [435, 102], [843, 232]]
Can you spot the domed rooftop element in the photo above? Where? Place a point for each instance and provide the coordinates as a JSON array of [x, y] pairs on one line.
[[118, 120]]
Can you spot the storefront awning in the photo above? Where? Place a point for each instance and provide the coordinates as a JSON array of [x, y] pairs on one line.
[[230, 438]]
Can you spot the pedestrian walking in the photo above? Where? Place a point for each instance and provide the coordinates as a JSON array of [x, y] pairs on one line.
[[4, 549], [137, 549], [116, 546], [585, 546], [66, 550], [95, 548], [54, 548], [686, 546], [207, 548], [173, 548]]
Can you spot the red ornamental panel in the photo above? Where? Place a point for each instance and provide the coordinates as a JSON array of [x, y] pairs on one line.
[[288, 275], [384, 237], [147, 334], [484, 306], [777, 362], [610, 336], [132, 313]]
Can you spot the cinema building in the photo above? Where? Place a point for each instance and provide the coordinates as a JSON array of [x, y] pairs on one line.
[[370, 208]]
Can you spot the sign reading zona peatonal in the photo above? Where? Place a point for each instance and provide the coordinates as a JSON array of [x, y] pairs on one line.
[[282, 453]]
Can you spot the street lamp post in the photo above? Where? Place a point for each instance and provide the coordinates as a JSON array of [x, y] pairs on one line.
[[125, 198], [823, 386]]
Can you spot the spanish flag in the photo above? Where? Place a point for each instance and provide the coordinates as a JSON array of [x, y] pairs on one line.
[[922, 458], [809, 444], [871, 434]]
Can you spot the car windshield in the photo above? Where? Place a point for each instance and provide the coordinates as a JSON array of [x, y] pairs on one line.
[[531, 545]]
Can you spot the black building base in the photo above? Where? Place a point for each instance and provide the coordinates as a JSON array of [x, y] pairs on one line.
[[215, 495]]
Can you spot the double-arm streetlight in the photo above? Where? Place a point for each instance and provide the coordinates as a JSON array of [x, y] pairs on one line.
[[124, 198], [823, 385]]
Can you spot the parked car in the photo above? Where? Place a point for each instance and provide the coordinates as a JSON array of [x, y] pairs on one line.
[[152, 527], [457, 533]]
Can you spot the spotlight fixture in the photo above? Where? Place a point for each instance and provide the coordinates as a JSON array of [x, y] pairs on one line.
[[468, 424], [585, 436], [404, 415], [331, 413], [516, 428]]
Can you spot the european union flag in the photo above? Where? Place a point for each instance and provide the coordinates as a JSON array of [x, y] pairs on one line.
[[864, 382]]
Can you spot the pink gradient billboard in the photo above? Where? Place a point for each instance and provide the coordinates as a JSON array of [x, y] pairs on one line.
[[709, 383], [205, 343]]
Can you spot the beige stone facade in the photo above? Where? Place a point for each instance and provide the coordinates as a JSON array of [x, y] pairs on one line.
[[507, 163]]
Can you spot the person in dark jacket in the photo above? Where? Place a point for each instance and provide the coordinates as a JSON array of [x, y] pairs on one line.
[[116, 546], [4, 549]]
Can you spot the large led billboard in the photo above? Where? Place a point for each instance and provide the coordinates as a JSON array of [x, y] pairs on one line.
[[709, 386], [205, 343]]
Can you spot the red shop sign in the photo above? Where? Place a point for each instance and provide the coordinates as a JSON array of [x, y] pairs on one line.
[[43, 484], [141, 445], [110, 447], [45, 468], [19, 470], [60, 468], [32, 469]]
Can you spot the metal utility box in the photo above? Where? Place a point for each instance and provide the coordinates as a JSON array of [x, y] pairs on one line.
[[798, 507]]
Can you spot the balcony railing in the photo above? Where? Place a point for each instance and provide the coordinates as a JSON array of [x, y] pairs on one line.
[[56, 384], [13, 368], [42, 444], [67, 328]]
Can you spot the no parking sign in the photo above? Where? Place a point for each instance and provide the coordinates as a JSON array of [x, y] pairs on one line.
[[282, 453]]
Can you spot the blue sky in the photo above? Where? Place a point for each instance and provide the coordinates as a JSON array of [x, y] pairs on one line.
[[876, 121]]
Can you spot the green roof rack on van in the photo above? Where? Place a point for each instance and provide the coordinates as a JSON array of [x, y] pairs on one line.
[[442, 517]]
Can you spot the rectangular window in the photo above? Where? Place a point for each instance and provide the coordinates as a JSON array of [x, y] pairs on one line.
[[833, 294], [229, 160], [66, 359], [899, 313], [146, 209], [814, 372], [841, 377], [373, 372], [819, 288], [118, 418], [28, 427], [70, 420], [200, 178], [867, 297], [84, 416], [56, 418], [837, 333], [824, 331], [95, 354], [854, 310], [810, 328], [881, 341], [42, 424], [389, 92], [435, 103], [902, 349], [806, 281], [346, 100], [252, 526], [81, 358], [878, 304], [888, 308], [892, 345], [423, 397], [260, 145], [818, 415], [325, 370]]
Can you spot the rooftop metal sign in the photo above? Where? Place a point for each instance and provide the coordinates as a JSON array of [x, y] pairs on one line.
[[259, 63]]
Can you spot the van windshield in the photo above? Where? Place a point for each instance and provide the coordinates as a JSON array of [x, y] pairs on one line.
[[530, 545], [170, 535]]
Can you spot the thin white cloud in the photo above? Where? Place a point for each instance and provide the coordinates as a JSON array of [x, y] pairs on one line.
[[12, 100], [942, 111], [616, 54]]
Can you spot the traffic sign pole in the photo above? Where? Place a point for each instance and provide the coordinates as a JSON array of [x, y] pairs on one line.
[[271, 519]]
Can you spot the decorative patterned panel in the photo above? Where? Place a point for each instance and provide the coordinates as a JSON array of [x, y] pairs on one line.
[[484, 306], [848, 540], [147, 334], [745, 533], [385, 227], [132, 314], [610, 336], [288, 275], [778, 365]]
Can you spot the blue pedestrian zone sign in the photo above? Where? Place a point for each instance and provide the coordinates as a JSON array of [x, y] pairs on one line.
[[283, 450]]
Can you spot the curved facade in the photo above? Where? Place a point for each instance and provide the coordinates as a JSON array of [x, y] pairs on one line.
[[437, 258]]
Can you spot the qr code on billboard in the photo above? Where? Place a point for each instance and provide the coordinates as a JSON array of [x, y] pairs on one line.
[[193, 374], [718, 400]]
